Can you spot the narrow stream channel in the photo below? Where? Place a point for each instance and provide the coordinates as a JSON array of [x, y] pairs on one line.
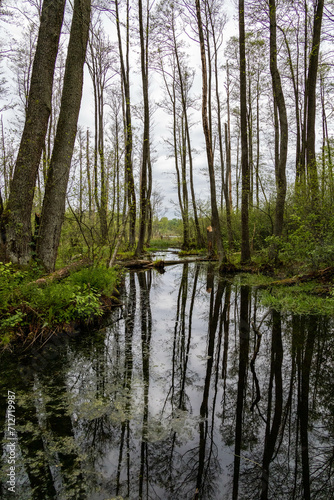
[[193, 391]]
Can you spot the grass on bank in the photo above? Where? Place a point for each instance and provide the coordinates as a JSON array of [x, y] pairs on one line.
[[304, 298], [28, 310], [311, 297]]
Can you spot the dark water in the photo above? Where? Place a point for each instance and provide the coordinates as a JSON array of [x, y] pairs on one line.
[[193, 391]]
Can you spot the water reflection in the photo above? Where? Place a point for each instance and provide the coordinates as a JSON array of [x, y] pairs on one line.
[[194, 391]]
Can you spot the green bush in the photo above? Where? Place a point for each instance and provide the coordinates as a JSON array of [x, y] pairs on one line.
[[30, 306], [298, 299], [98, 279]]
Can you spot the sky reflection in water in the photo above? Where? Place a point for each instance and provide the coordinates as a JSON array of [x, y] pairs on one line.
[[193, 391]]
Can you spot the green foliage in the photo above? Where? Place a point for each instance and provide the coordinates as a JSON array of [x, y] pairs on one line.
[[11, 277], [251, 279], [128, 255], [170, 227], [309, 235], [194, 251], [298, 299], [85, 303], [164, 244], [98, 279], [8, 324], [30, 306]]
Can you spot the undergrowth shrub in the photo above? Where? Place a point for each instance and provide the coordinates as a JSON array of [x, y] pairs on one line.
[[298, 299], [28, 306], [309, 236], [97, 278]]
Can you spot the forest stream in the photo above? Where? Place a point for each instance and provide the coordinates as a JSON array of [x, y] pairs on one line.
[[193, 390]]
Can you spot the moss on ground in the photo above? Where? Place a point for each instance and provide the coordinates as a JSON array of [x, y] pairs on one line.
[[29, 311]]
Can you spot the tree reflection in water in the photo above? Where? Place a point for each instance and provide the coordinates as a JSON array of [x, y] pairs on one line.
[[194, 391]]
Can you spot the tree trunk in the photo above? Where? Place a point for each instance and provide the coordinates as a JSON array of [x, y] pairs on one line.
[[183, 157], [146, 138], [294, 78], [18, 211], [250, 138], [56, 186], [224, 180], [282, 134], [226, 184], [89, 182], [180, 184], [149, 206], [207, 134], [125, 68], [257, 167], [245, 186], [304, 121], [228, 181], [311, 104], [183, 91]]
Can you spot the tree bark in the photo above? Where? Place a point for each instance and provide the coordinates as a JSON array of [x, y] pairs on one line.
[[311, 104], [294, 78], [225, 181], [183, 91], [125, 70], [146, 138], [245, 184], [56, 186], [18, 211], [281, 136], [207, 134]]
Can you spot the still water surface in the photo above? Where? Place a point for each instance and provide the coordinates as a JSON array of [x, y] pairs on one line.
[[193, 391]]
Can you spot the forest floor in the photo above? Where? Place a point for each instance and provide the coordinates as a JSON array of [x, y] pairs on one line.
[[33, 308]]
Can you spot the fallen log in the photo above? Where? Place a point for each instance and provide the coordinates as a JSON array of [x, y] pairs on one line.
[[323, 275], [185, 261], [134, 264], [157, 264], [62, 273]]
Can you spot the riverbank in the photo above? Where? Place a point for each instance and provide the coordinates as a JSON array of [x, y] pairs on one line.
[[189, 342], [34, 307]]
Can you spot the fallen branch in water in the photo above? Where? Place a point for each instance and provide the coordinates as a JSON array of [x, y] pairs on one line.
[[157, 264]]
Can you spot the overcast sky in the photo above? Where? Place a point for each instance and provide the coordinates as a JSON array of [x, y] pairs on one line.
[[163, 167]]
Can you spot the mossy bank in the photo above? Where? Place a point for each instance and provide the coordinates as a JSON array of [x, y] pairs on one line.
[[32, 309]]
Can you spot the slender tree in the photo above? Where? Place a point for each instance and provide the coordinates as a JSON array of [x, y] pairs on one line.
[[125, 75], [185, 81], [311, 102], [146, 132], [56, 186], [99, 64], [208, 139], [18, 211], [245, 248], [281, 131], [216, 25]]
